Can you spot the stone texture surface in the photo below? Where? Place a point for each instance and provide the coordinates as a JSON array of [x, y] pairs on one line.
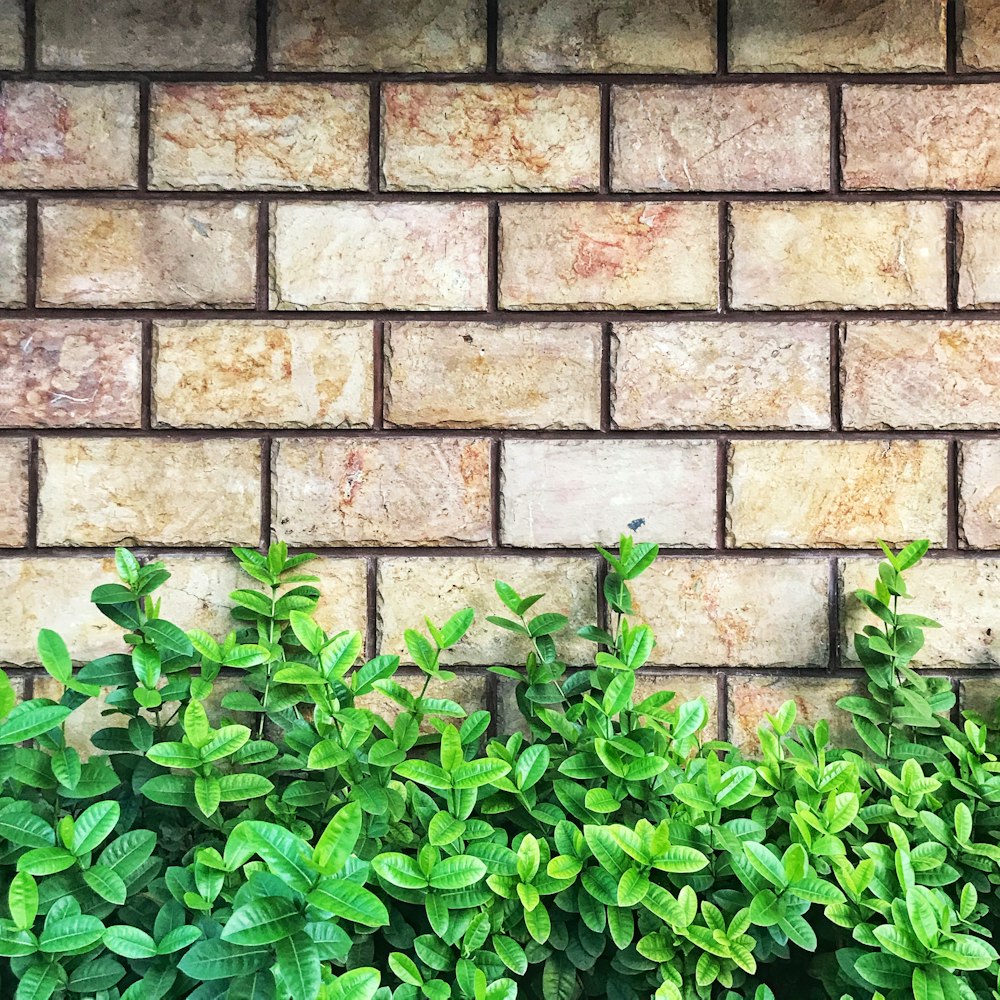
[[584, 36], [979, 498], [815, 493], [246, 136], [958, 593], [941, 136], [979, 35], [573, 255], [979, 266], [378, 256], [468, 690], [147, 254], [490, 137], [533, 376], [11, 34], [266, 373], [812, 36], [739, 375], [386, 491], [68, 135], [686, 687], [711, 612], [943, 374], [146, 34], [70, 373], [410, 588], [111, 491], [14, 490], [576, 493], [828, 256], [979, 695], [444, 36], [13, 253], [738, 137]]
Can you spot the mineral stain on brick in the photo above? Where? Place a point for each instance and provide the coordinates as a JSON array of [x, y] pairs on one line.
[[14, 490]]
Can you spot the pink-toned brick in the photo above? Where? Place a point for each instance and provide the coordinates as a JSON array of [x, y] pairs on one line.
[[979, 500], [979, 35], [14, 489], [978, 263], [13, 253], [11, 34]]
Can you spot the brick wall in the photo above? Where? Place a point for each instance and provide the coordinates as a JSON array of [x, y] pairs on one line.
[[448, 292]]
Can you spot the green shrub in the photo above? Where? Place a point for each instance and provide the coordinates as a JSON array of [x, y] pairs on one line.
[[291, 842]]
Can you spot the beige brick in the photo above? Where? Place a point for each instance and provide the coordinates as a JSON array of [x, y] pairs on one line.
[[979, 268], [11, 34], [800, 494], [70, 373], [601, 255], [246, 136], [379, 256], [445, 36], [855, 36], [736, 612], [979, 500], [146, 34], [686, 687], [958, 593], [382, 491], [532, 376], [68, 135], [110, 491], [14, 490], [829, 256], [742, 375], [979, 35], [274, 373], [412, 588], [942, 374], [815, 698], [490, 137], [980, 696], [576, 493], [13, 253], [468, 690], [770, 137], [625, 36], [147, 254]]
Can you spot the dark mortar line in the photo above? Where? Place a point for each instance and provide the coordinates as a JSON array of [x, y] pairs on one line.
[[495, 491], [30, 39], [721, 491], [722, 704], [32, 513], [378, 375], [492, 37], [371, 601], [261, 20], [493, 259], [32, 255], [607, 376], [146, 368], [263, 256], [836, 140], [375, 142], [833, 614], [722, 40], [953, 495], [266, 473], [143, 138], [725, 259], [952, 258], [952, 39], [836, 403], [605, 134]]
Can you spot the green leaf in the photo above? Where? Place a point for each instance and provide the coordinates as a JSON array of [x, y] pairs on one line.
[[307, 631], [179, 755], [39, 982], [547, 624], [93, 825], [531, 766], [106, 883], [766, 863], [238, 787], [208, 794], [93, 976], [46, 861], [130, 942], [263, 921], [510, 953], [168, 638], [476, 773], [30, 719], [54, 655], [66, 767], [425, 773], [70, 934], [358, 984], [215, 958], [558, 979], [420, 650], [399, 870], [454, 628], [22, 898], [299, 965], [350, 901], [225, 741], [339, 838], [457, 872]]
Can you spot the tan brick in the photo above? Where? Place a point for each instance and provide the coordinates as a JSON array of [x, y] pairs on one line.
[[445, 36], [70, 373], [576, 493], [979, 500], [799, 494], [942, 374], [110, 491], [11, 34], [490, 137], [273, 373], [736, 612], [855, 36], [146, 34], [382, 491], [533, 376], [13, 253], [600, 255], [14, 490], [979, 269], [958, 593], [246, 136], [829, 256], [468, 690], [412, 588], [771, 137], [627, 36], [130, 253], [742, 375], [686, 687], [980, 696], [378, 256], [979, 35], [69, 135], [815, 698]]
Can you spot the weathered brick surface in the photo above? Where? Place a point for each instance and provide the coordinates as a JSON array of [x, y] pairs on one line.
[[979, 35], [852, 35], [709, 612], [573, 493], [11, 34], [467, 690], [70, 373], [387, 491], [979, 695], [979, 498], [298, 136], [942, 374], [14, 490], [720, 138], [828, 256], [572, 255], [836, 493], [389, 256], [490, 137], [532, 376], [13, 253], [110, 491], [979, 267], [739, 375], [686, 687], [262, 373], [131, 253]]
